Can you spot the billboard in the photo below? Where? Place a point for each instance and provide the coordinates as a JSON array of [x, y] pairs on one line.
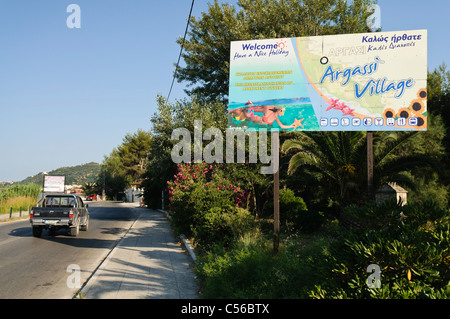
[[54, 184], [350, 82]]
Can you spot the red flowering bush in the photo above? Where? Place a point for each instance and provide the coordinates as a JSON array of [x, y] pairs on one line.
[[198, 191]]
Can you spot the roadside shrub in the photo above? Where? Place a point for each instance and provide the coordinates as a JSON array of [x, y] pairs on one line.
[[290, 205], [249, 270], [412, 251], [221, 225], [194, 192], [294, 213], [308, 221]]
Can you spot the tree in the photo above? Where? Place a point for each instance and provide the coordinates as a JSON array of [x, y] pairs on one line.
[[112, 175], [160, 166], [207, 49], [438, 88], [134, 153], [169, 116], [339, 161], [438, 104], [337, 157], [125, 164]]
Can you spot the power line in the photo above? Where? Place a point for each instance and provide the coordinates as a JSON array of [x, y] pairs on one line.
[[181, 50]]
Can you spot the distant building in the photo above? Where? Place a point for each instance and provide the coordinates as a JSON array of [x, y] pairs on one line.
[[73, 189], [134, 193], [391, 190]]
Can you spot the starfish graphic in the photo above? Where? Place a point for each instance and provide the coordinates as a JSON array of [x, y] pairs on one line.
[[332, 104], [297, 123], [340, 106], [347, 111]]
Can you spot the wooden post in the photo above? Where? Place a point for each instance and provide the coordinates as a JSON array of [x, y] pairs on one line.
[[276, 194], [370, 192]]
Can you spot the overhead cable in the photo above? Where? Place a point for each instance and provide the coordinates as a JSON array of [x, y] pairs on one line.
[[181, 50]]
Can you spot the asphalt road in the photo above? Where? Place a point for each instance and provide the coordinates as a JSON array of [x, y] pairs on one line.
[[33, 267]]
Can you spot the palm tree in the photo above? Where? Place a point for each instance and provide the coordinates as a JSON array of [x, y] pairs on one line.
[[339, 161]]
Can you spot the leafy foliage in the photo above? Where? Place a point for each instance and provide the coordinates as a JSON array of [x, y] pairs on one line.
[[134, 153], [207, 49], [206, 206], [412, 253], [340, 159], [125, 164], [168, 117]]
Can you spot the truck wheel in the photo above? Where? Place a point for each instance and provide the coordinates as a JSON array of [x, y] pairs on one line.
[[86, 225], [74, 231], [37, 231]]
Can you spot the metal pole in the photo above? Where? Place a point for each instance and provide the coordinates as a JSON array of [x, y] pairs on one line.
[[104, 185], [370, 165], [276, 195]]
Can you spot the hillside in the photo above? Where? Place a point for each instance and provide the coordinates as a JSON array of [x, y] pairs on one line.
[[80, 174]]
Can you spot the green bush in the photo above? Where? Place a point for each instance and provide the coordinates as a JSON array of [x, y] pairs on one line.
[[221, 225], [249, 270], [290, 205], [412, 250], [205, 205], [294, 213]]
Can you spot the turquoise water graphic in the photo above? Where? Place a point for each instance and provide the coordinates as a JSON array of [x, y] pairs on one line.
[[295, 108]]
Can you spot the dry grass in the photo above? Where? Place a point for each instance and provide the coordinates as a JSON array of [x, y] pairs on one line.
[[16, 203]]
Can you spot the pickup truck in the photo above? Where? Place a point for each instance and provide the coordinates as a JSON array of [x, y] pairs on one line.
[[56, 211]]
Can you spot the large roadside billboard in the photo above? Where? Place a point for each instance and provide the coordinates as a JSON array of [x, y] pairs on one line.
[[351, 82], [54, 184]]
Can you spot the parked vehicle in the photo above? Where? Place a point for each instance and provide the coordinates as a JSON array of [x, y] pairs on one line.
[[56, 211], [91, 197]]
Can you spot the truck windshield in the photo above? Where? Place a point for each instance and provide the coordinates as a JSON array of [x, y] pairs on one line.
[[59, 201]]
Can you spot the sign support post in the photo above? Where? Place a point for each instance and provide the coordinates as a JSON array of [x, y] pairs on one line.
[[370, 165], [276, 193]]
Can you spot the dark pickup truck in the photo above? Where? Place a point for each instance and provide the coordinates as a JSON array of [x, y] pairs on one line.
[[56, 211]]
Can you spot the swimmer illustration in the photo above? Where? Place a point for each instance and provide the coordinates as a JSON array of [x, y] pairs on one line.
[[270, 114]]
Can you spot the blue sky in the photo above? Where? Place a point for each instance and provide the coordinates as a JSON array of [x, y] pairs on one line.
[[69, 96]]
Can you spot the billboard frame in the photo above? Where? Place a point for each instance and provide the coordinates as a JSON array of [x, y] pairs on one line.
[[54, 183]]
